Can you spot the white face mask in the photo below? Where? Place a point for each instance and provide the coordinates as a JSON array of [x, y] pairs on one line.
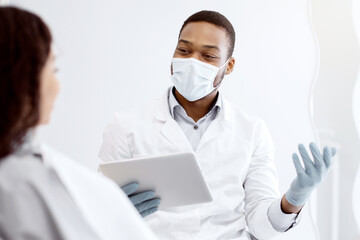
[[194, 79]]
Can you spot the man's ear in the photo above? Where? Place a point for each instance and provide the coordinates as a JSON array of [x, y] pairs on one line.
[[230, 66]]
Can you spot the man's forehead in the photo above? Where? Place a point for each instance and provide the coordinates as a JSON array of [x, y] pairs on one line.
[[203, 33]]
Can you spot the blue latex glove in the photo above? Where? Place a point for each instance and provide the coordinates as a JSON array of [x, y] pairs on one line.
[[309, 177], [144, 202]]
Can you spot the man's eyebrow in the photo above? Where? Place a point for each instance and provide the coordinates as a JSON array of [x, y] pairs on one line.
[[211, 46], [204, 46], [185, 41]]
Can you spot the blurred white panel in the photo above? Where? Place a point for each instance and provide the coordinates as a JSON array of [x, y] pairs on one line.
[[356, 112], [333, 113]]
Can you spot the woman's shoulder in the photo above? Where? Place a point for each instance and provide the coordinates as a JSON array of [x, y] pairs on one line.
[[16, 169], [71, 171]]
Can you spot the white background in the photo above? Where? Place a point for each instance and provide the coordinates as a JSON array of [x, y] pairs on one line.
[[115, 55]]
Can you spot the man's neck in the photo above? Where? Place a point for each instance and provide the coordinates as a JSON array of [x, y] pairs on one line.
[[197, 109]]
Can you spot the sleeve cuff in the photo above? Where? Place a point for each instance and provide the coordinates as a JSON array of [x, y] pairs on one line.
[[281, 221]]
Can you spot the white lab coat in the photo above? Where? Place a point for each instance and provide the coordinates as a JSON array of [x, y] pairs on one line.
[[58, 199], [235, 155]]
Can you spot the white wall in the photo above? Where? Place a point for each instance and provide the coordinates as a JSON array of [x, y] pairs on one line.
[[113, 55], [110, 60]]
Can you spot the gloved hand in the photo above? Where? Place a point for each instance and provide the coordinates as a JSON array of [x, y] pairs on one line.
[[144, 202], [307, 179]]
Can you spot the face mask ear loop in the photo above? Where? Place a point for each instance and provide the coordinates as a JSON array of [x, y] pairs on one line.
[[227, 61]]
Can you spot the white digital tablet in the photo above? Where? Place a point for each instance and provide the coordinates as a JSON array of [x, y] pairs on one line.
[[175, 178]]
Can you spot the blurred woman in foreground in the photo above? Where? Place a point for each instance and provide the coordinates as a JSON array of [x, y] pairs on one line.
[[43, 194]]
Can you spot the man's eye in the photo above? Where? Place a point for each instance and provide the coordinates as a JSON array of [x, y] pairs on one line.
[[210, 56], [182, 50]]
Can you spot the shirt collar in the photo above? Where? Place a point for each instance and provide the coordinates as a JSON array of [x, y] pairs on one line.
[[173, 103], [29, 146]]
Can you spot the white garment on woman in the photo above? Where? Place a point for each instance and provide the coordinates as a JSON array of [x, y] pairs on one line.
[[45, 196]]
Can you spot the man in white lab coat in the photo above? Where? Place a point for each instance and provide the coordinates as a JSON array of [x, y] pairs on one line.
[[234, 149]]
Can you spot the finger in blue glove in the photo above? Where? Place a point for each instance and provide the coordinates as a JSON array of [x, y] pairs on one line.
[[148, 212], [141, 207], [142, 197], [130, 188]]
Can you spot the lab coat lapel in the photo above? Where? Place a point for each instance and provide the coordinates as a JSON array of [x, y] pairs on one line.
[[215, 131], [219, 127], [171, 129]]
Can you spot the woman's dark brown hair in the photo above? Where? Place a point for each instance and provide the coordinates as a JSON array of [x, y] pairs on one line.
[[25, 43]]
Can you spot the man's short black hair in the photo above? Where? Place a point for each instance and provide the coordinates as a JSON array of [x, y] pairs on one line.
[[216, 19]]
